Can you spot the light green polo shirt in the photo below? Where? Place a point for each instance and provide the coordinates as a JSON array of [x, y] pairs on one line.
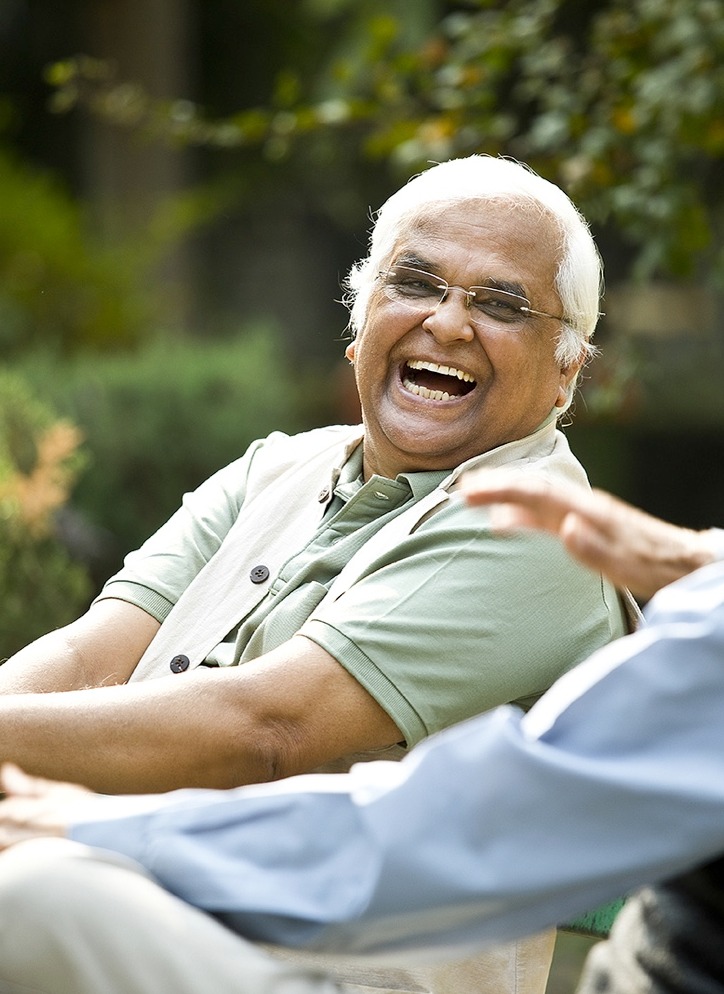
[[455, 621]]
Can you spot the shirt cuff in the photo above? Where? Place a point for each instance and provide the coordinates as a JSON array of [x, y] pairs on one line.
[[153, 603], [714, 538], [119, 823], [370, 676]]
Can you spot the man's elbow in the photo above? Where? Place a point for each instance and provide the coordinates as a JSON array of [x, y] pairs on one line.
[[266, 750]]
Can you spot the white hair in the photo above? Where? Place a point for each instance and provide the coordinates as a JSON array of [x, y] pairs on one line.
[[579, 278]]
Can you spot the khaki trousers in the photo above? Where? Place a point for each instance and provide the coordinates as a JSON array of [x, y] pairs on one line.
[[75, 920]]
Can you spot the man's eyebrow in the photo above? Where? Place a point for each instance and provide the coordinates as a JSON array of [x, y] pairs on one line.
[[506, 285], [410, 259]]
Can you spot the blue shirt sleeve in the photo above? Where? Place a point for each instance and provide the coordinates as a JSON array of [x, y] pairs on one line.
[[488, 831]]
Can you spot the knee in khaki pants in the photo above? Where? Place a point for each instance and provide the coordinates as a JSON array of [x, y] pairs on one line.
[[75, 920]]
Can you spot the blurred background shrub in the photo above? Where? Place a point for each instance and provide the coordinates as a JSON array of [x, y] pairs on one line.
[[159, 420], [59, 285], [41, 585]]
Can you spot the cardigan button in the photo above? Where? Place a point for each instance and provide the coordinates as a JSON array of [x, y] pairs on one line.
[[180, 663], [259, 574]]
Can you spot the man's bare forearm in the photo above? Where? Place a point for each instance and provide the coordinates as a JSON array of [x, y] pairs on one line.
[[287, 712], [99, 649], [44, 665], [137, 738]]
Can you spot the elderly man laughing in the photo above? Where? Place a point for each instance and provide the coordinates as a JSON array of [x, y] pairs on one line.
[[323, 596]]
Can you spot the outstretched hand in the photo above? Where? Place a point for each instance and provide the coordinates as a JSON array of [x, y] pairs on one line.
[[630, 547], [34, 807]]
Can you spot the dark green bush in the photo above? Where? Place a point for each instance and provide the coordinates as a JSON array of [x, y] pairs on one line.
[[159, 421], [59, 286], [41, 587]]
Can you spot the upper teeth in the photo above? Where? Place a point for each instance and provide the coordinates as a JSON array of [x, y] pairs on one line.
[[435, 367]]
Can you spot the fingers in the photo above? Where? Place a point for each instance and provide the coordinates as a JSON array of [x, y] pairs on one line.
[[630, 547], [486, 486], [33, 807], [522, 501], [15, 781], [627, 545], [588, 544]]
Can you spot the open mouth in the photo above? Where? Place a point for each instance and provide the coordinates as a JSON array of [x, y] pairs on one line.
[[435, 382]]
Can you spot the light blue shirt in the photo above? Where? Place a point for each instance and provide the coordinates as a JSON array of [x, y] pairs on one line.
[[488, 831]]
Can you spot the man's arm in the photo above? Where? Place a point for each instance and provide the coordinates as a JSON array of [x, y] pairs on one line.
[[99, 649], [104, 645], [287, 712], [575, 807], [630, 547]]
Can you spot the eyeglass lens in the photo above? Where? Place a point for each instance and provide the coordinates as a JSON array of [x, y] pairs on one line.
[[423, 291]]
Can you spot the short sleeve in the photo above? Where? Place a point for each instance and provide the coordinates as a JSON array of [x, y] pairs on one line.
[[156, 574], [457, 619]]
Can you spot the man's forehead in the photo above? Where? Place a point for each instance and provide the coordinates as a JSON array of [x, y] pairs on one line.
[[518, 229], [481, 214]]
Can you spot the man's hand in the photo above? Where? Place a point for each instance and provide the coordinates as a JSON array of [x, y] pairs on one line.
[[34, 807], [630, 547]]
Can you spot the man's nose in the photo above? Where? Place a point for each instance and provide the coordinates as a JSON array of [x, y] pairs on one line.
[[450, 320]]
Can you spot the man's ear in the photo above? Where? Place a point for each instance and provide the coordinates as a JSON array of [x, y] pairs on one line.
[[568, 376], [349, 352]]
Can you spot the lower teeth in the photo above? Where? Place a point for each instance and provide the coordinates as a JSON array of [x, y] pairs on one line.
[[424, 392]]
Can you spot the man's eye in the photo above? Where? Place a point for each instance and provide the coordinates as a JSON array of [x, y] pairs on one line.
[[498, 307], [416, 286]]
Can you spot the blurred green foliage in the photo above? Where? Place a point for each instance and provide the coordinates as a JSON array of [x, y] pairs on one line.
[[41, 587], [619, 101], [160, 420], [64, 287], [58, 285]]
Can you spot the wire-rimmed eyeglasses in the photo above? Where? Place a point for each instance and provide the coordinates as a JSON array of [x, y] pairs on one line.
[[421, 291]]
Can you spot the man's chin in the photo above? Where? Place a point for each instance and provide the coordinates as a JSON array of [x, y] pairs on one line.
[[430, 452]]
